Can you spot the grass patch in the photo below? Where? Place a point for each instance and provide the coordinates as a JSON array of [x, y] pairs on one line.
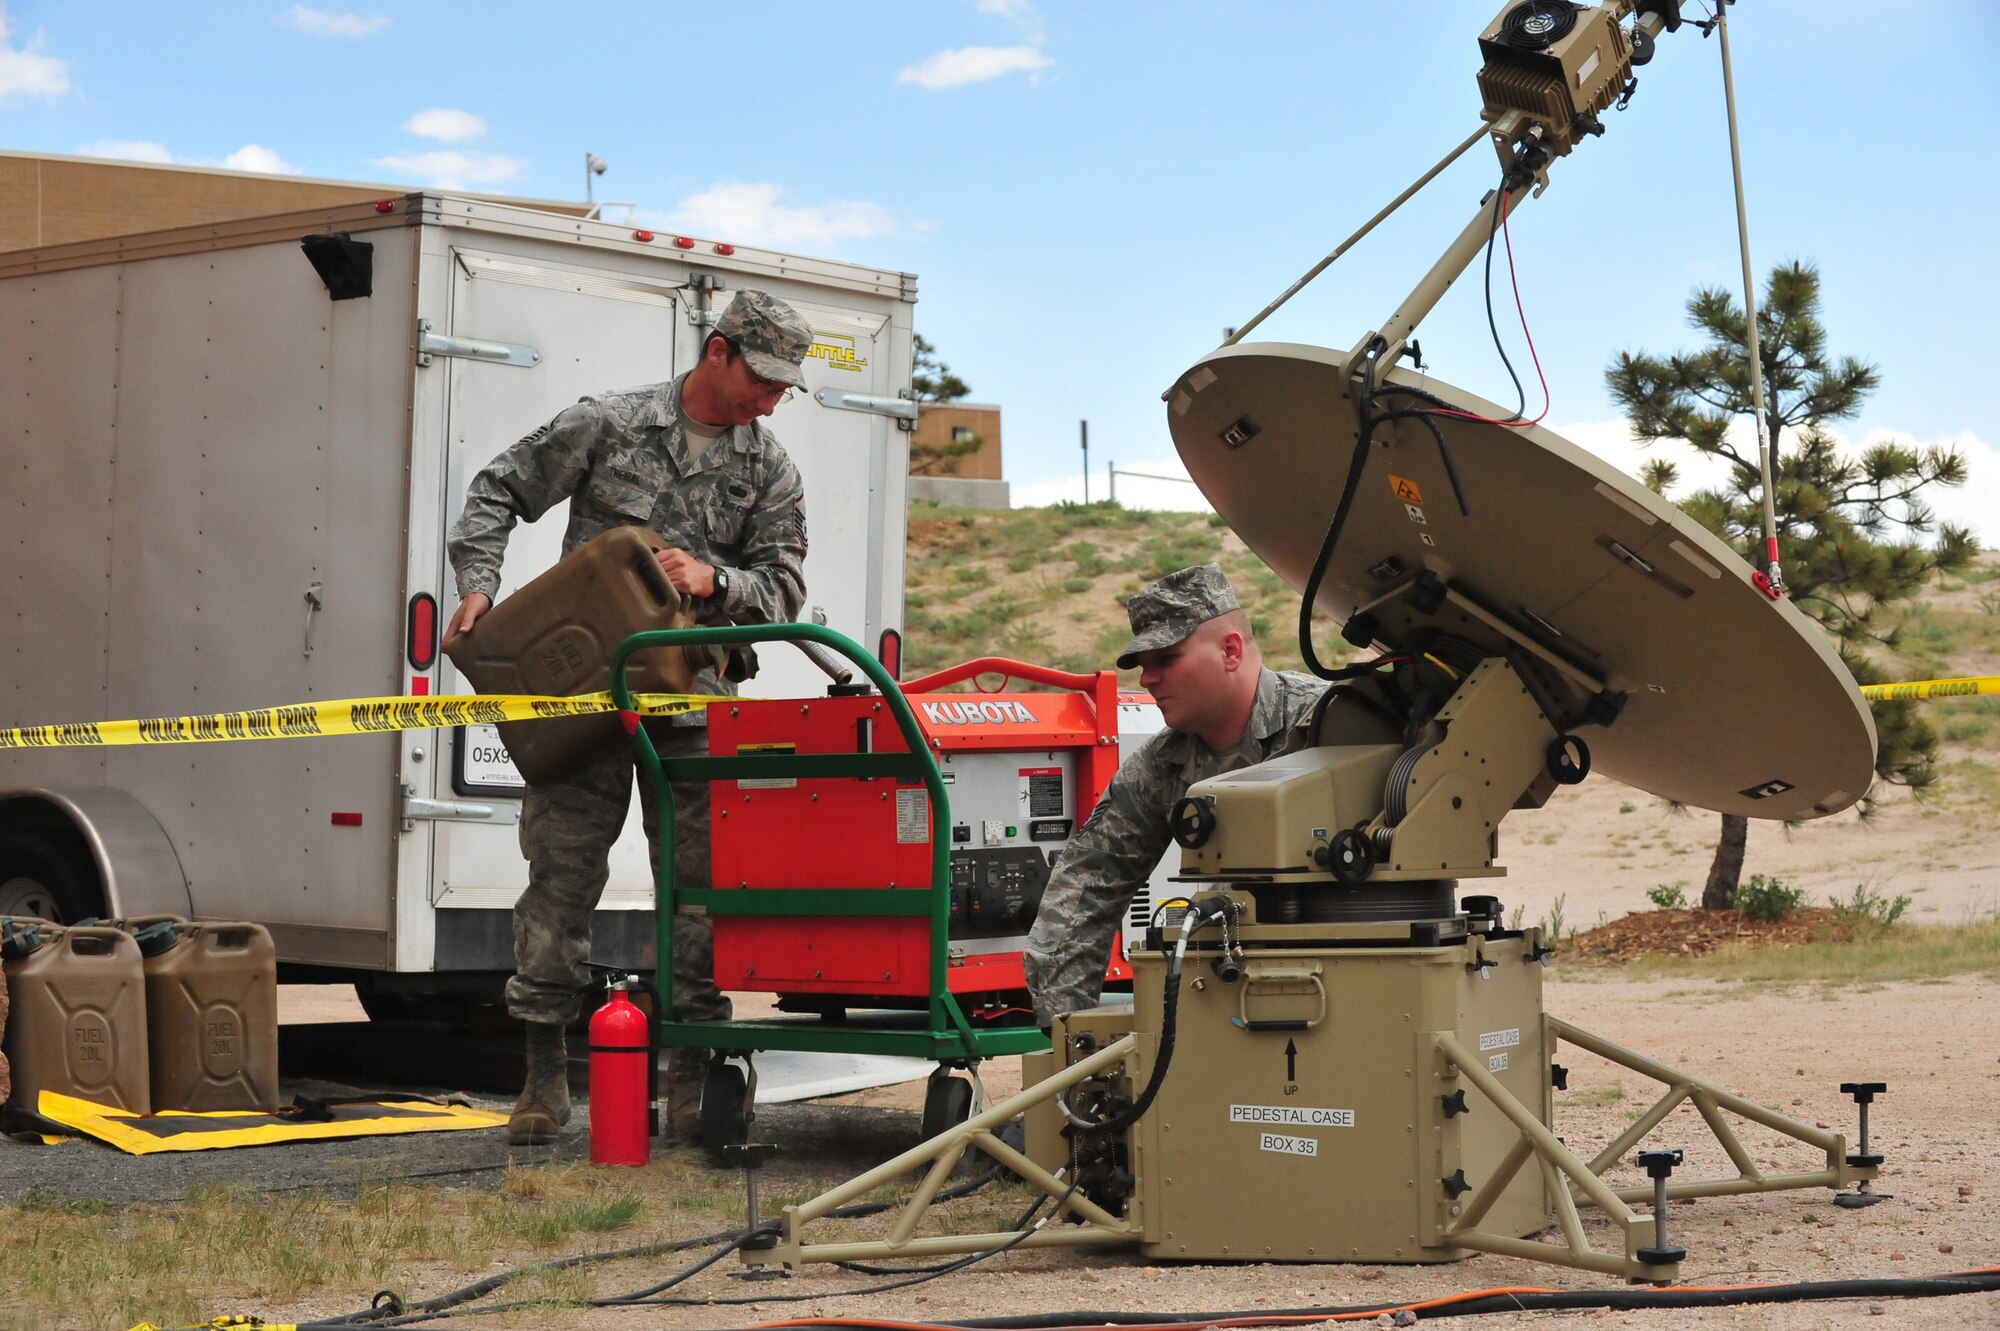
[[175, 1263], [1905, 952]]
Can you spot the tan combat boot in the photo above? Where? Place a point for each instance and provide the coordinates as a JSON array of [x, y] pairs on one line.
[[687, 1069], [544, 1104]]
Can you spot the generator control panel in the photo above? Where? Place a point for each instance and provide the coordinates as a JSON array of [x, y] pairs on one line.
[[995, 893]]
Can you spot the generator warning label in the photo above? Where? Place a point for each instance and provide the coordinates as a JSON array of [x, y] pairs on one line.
[[1271, 1141], [913, 817], [1301, 1116], [1507, 1039], [1042, 792], [1406, 489]]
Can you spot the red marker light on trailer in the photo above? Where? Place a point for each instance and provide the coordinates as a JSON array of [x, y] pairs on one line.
[[385, 205], [683, 242], [642, 235], [347, 820], [421, 631], [724, 247]]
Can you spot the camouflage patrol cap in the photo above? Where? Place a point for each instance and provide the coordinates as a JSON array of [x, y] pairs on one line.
[[1166, 611], [772, 335]]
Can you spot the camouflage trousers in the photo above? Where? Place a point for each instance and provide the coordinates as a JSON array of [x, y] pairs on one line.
[[567, 830]]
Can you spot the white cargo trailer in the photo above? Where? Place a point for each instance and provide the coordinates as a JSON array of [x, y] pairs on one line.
[[230, 456]]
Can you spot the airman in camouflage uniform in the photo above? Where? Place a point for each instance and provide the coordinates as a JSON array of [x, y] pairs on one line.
[[1197, 657], [730, 502]]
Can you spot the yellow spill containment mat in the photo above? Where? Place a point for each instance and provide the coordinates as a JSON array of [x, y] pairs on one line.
[[175, 1130]]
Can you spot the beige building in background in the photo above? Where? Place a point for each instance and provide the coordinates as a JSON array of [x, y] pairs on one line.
[[46, 199], [970, 480]]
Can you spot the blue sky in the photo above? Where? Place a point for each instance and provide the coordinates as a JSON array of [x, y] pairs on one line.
[[1090, 193]]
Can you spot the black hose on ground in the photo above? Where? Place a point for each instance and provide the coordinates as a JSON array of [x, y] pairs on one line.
[[1471, 1303]]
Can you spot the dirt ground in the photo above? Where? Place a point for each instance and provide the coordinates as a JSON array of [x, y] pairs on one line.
[[1932, 1043], [1592, 854]]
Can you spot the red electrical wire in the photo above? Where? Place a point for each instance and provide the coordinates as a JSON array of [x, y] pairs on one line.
[[1513, 278]]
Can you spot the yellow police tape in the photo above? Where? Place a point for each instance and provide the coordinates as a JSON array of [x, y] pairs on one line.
[[347, 716], [1922, 690]]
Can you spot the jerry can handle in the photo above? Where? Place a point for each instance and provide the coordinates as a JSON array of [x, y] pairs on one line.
[[92, 940]]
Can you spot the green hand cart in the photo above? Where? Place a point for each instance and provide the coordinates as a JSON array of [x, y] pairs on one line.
[[940, 1033]]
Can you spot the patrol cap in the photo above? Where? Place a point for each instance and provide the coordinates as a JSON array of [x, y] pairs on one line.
[[1164, 612], [772, 335]]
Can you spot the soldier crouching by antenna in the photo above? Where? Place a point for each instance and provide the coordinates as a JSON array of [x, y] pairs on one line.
[[1198, 658], [688, 460]]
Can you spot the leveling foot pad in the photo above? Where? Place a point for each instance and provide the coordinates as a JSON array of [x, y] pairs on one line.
[[175, 1130]]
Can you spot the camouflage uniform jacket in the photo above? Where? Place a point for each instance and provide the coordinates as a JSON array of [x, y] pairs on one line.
[[621, 459], [1097, 873]]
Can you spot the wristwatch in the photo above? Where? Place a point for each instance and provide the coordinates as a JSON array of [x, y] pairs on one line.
[[721, 584]]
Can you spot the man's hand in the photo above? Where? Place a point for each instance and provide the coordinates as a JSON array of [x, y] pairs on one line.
[[469, 610], [689, 575]]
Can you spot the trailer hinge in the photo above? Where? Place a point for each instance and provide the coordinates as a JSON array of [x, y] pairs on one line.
[[456, 811], [431, 344], [900, 408]]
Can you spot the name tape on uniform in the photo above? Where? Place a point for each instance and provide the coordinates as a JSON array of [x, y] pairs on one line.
[[346, 716]]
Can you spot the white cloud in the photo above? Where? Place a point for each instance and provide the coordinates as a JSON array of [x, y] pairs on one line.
[[128, 150], [450, 126], [319, 23], [1158, 484], [973, 64], [25, 71], [256, 157], [752, 212], [1020, 13], [1976, 504], [250, 157], [454, 170]]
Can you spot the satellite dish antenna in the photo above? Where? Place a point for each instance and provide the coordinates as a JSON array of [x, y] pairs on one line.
[[1623, 615]]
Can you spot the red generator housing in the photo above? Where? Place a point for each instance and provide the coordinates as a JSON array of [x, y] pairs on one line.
[[1021, 772]]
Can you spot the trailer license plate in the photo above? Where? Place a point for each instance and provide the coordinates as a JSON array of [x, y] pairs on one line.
[[484, 760]]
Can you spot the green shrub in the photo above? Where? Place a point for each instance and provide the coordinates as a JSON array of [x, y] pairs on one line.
[[1668, 896], [1089, 560], [1868, 911], [1075, 585], [1767, 898]]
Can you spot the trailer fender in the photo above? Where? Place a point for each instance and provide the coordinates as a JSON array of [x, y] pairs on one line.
[[121, 855]]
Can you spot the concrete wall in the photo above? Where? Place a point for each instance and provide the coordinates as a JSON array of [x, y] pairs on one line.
[[959, 492]]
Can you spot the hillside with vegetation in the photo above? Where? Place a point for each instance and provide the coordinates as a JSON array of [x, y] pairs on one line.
[[1048, 585]]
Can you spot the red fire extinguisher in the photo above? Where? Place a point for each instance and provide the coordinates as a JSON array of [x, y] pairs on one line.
[[620, 1081]]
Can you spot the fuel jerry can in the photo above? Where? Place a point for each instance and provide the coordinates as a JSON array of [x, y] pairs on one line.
[[621, 1066], [78, 1019], [557, 636], [211, 1015]]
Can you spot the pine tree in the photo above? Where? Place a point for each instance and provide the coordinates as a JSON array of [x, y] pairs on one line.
[[1851, 528]]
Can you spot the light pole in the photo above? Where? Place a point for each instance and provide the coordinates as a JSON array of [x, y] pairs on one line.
[[1084, 428]]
